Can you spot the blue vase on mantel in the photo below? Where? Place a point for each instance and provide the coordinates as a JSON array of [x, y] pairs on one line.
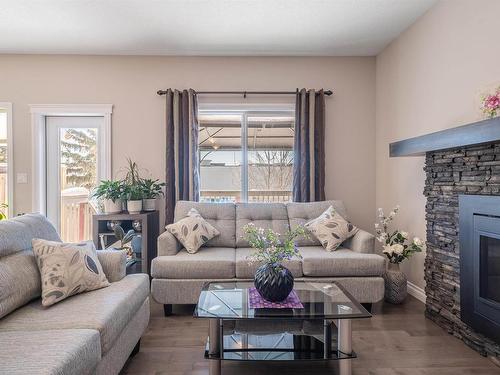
[[396, 282], [274, 283]]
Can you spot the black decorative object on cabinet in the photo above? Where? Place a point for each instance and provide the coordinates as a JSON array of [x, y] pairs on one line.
[[273, 283]]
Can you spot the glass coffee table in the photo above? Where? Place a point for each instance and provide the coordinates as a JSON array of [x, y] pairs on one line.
[[320, 330]]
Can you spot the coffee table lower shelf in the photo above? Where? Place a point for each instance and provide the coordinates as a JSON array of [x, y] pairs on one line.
[[277, 355], [280, 347]]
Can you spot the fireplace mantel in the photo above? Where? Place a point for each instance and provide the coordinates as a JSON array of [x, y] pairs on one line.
[[480, 132]]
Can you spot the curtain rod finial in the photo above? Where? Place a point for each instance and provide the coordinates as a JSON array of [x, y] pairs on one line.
[[161, 92], [329, 92]]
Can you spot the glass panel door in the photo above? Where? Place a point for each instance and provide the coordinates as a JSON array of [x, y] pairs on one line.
[[73, 145], [4, 175]]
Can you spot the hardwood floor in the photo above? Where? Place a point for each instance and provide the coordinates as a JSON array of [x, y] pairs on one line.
[[397, 341]]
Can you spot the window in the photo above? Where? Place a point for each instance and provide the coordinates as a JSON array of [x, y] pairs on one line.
[[6, 204], [246, 156]]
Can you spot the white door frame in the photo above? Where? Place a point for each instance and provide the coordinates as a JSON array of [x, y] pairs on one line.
[[7, 106], [38, 131]]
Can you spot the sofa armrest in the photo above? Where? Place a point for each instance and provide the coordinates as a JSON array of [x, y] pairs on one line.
[[114, 264], [168, 244], [361, 242]]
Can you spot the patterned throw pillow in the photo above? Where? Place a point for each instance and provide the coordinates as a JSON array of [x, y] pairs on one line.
[[67, 269], [331, 229], [193, 231]]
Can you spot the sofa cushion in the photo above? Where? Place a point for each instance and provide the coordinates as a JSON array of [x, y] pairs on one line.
[[342, 262], [68, 351], [19, 280], [16, 234], [221, 216], [114, 264], [210, 262], [301, 213], [19, 276], [264, 215], [106, 310], [246, 269]]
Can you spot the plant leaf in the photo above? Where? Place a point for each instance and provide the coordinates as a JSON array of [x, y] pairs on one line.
[[119, 232], [129, 236]]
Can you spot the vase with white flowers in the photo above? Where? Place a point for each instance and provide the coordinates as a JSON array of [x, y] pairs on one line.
[[397, 247]]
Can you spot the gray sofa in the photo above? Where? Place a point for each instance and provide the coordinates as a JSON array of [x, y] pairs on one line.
[[90, 333], [178, 276]]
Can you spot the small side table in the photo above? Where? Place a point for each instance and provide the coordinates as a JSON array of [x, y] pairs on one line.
[[150, 227]]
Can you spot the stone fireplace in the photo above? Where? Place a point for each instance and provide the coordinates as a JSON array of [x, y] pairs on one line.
[[462, 264], [463, 234]]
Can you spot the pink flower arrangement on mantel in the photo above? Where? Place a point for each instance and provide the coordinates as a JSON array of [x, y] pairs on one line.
[[491, 104]]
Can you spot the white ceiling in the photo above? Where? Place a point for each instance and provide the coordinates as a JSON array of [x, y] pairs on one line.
[[205, 27]]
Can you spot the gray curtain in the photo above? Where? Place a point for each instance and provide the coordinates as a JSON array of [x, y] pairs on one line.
[[309, 147], [182, 164]]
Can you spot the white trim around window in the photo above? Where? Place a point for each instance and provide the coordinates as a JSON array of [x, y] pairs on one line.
[[38, 130], [7, 106], [245, 107]]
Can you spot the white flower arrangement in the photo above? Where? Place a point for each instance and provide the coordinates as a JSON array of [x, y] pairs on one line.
[[272, 248], [397, 246]]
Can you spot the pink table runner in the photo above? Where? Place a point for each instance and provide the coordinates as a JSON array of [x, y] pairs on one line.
[[256, 301]]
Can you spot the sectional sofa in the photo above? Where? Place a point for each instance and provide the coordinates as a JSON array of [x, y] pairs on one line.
[[178, 276], [89, 333]]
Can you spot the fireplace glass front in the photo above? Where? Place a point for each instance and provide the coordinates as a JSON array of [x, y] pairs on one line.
[[479, 233], [489, 268]]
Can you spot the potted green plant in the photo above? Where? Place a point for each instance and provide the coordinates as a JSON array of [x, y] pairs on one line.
[[123, 238], [134, 195], [110, 193], [152, 189], [132, 176], [124, 242], [133, 191]]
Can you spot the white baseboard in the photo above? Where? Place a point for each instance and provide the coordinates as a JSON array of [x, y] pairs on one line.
[[416, 292]]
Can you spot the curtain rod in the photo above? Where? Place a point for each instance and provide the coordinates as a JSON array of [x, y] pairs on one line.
[[245, 93]]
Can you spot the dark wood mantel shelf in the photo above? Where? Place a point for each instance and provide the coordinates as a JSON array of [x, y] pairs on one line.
[[467, 135]]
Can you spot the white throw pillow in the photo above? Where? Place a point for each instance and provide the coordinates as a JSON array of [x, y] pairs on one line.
[[193, 231], [331, 229]]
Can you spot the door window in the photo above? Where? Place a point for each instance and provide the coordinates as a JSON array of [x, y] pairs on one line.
[[73, 153]]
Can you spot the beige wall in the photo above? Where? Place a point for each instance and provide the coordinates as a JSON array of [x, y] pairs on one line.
[[430, 78], [130, 84]]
